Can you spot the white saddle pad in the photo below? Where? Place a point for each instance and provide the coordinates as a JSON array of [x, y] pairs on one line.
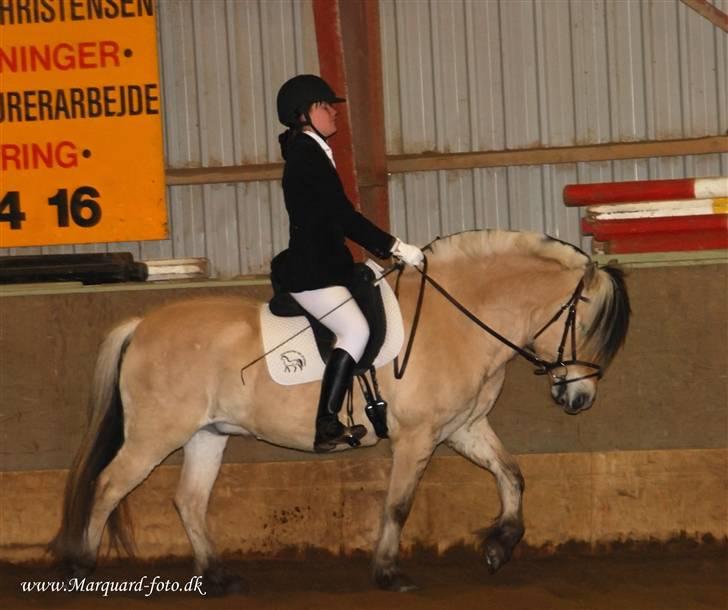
[[291, 352]]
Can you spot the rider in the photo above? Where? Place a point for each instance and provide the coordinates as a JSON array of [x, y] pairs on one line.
[[317, 265]]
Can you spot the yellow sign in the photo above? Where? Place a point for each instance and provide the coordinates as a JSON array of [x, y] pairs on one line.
[[81, 156]]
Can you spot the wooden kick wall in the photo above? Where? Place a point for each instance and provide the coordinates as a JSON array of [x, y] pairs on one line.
[[647, 461]]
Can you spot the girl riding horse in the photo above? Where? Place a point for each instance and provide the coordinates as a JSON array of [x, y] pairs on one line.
[[172, 379], [317, 266]]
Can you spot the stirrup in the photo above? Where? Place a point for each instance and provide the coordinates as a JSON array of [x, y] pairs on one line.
[[349, 435]]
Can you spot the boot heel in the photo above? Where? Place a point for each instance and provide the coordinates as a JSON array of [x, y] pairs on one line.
[[327, 439], [354, 434], [336, 381]]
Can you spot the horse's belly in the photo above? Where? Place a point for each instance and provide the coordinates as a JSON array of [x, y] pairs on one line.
[[225, 428]]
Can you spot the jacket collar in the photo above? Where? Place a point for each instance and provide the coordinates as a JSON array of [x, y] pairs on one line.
[[322, 143]]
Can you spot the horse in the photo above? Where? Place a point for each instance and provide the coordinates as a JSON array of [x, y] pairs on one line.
[[173, 379]]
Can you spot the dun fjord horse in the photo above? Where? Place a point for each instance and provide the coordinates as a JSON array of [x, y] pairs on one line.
[[173, 379]]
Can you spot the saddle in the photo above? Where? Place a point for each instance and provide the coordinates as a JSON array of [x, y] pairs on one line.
[[368, 297], [297, 345]]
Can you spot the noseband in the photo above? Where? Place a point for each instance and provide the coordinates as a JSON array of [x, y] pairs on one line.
[[557, 369]]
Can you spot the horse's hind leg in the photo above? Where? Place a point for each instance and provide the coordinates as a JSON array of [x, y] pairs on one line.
[[411, 454], [478, 443], [203, 455], [131, 465]]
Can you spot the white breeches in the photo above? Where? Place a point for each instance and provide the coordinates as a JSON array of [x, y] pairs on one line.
[[347, 322]]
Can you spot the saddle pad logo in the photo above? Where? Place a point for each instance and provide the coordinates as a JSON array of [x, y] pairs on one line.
[[293, 361], [291, 353]]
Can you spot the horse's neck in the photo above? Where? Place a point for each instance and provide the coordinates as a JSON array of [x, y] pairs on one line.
[[515, 299]]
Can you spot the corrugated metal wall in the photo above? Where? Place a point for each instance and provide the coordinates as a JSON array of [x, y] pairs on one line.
[[221, 77], [460, 75], [466, 75], [222, 62]]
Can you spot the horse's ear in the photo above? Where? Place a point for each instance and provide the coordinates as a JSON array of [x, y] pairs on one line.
[[590, 273]]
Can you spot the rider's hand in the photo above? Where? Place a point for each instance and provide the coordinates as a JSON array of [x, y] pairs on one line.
[[408, 253]]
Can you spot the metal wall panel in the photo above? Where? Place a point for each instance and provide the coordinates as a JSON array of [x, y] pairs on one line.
[[521, 198], [465, 75], [222, 62], [240, 52], [459, 75]]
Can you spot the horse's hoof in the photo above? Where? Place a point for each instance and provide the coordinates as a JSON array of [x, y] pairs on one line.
[[80, 572], [498, 542], [495, 556], [218, 582], [78, 569], [394, 580]]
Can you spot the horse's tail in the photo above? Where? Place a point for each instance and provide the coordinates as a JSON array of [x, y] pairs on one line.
[[103, 440]]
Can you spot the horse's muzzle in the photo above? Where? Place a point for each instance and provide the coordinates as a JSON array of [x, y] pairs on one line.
[[571, 399]]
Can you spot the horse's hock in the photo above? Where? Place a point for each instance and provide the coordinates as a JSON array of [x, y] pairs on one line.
[[647, 462]]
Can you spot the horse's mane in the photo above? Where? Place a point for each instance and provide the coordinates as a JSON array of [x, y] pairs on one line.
[[492, 242], [610, 323], [608, 291]]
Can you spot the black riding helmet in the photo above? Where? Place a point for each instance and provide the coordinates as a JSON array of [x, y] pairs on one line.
[[298, 93]]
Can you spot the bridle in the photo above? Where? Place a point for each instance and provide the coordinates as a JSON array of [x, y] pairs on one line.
[[557, 369], [551, 368]]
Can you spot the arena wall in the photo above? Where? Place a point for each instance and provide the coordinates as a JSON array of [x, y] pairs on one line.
[[647, 462]]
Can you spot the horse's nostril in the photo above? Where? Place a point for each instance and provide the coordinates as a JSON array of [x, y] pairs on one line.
[[579, 401], [559, 392]]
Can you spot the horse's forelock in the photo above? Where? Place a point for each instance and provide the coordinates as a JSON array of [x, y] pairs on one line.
[[610, 322]]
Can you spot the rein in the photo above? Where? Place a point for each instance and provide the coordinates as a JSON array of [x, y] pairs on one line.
[[557, 369]]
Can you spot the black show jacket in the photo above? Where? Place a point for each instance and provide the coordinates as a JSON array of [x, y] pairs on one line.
[[321, 217]]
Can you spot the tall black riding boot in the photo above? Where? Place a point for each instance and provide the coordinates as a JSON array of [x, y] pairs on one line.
[[329, 430]]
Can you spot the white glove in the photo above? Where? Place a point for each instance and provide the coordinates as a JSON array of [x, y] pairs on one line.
[[408, 253]]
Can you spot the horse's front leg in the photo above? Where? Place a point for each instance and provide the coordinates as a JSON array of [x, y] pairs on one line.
[[477, 442], [411, 454]]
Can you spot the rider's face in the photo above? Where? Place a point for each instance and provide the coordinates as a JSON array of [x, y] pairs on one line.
[[323, 118]]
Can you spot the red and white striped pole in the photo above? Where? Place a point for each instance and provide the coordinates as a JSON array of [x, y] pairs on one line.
[[654, 215], [645, 190]]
